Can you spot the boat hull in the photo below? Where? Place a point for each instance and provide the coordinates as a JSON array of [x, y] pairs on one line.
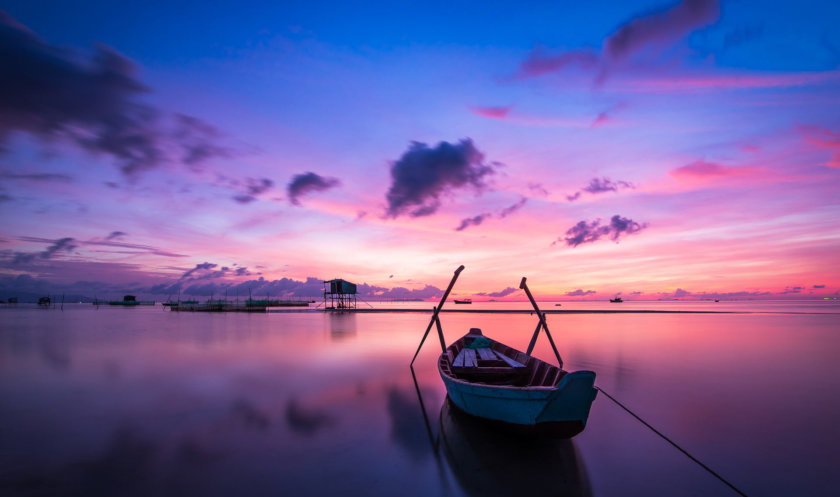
[[561, 410]]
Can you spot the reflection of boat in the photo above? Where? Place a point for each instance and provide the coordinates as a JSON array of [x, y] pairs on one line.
[[489, 462], [617, 300], [491, 380], [463, 301]]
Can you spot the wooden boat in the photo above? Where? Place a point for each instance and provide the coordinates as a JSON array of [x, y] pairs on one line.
[[617, 300], [488, 379], [463, 301]]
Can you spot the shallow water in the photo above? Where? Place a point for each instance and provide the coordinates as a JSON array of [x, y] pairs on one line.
[[140, 401]]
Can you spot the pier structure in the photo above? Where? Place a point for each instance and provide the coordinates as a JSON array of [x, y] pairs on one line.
[[339, 294]]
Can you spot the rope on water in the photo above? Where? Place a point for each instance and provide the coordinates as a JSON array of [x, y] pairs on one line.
[[733, 487]]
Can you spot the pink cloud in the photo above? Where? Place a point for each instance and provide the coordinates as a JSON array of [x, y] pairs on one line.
[[698, 83], [824, 139], [702, 170], [491, 112]]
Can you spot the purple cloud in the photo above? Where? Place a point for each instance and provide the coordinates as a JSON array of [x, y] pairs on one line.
[[580, 293], [303, 184], [471, 221], [661, 27], [49, 93], [253, 187], [588, 232], [60, 245], [502, 293], [507, 211], [600, 185], [422, 175], [114, 235]]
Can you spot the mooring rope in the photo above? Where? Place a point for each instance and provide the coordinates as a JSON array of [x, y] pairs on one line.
[[710, 470]]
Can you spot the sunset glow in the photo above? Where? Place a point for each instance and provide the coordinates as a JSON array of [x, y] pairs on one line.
[[652, 150]]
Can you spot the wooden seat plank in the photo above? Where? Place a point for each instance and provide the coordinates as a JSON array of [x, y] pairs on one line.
[[487, 354], [511, 362], [459, 359], [469, 358]]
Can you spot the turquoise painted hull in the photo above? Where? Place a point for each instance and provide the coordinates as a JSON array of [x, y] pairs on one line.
[[562, 408]]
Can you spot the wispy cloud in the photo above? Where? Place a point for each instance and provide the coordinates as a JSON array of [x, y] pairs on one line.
[[472, 221], [600, 185], [580, 293], [824, 139], [491, 112], [60, 245]]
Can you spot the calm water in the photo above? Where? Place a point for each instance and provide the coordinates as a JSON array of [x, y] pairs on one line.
[[140, 401]]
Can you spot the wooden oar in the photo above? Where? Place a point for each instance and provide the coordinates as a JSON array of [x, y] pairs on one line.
[[541, 324], [435, 319]]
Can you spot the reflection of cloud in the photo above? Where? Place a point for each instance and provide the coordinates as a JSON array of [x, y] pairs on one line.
[[249, 415], [342, 325], [407, 424], [306, 421]]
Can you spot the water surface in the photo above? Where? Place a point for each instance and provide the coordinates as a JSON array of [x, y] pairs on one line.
[[140, 401]]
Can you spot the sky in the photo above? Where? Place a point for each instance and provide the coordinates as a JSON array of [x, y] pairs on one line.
[[648, 149]]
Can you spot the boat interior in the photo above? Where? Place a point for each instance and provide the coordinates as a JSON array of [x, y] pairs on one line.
[[478, 359]]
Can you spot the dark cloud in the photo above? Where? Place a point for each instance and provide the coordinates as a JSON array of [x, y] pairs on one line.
[[115, 234], [303, 184], [50, 93], [600, 185], [819, 286], [503, 293], [60, 245], [423, 174], [654, 29], [472, 221], [588, 232], [661, 27], [198, 140], [580, 293], [5, 198]]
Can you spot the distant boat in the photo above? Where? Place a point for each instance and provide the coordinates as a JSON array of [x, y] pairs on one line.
[[490, 380], [44, 301], [717, 300], [463, 301], [617, 300], [557, 305]]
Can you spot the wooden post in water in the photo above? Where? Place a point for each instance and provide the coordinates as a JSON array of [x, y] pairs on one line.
[[435, 320], [541, 324]]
